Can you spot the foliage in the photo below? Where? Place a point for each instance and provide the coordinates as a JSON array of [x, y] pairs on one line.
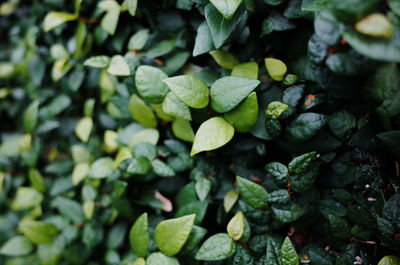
[[257, 132]]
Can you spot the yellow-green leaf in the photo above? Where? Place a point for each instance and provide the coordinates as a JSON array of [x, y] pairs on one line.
[[375, 25], [83, 128], [247, 70], [141, 112], [139, 236], [55, 19], [276, 68], [183, 130], [244, 117], [224, 59], [235, 226]]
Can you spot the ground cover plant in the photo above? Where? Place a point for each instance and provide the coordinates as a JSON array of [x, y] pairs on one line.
[[166, 132]]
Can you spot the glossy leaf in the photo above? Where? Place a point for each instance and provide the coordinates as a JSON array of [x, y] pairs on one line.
[[252, 193], [139, 237], [217, 247]]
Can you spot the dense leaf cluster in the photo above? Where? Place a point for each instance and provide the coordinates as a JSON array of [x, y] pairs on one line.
[[240, 132]]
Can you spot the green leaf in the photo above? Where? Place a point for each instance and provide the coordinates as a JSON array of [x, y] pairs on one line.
[[392, 140], [26, 198], [190, 89], [287, 213], [101, 61], [227, 92], [235, 226], [102, 168], [139, 261], [230, 199], [118, 66], [252, 193], [173, 106], [224, 59], [170, 235], [275, 109], [375, 25], [389, 260], [212, 134], [16, 246], [203, 42], [244, 116], [305, 126], [301, 163], [220, 28], [132, 6], [395, 6], [30, 118], [69, 208], [110, 20], [38, 232], [55, 19], [139, 165], [247, 70], [83, 128], [138, 40], [288, 255], [139, 237], [226, 7], [141, 112], [195, 237], [161, 169], [279, 172], [276, 22], [162, 48], [278, 196], [217, 247], [273, 251], [159, 258], [276, 68], [341, 123], [183, 130], [36, 179], [194, 207], [202, 187], [150, 85]]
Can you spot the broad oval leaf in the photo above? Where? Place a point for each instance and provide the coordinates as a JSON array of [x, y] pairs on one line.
[[139, 237], [159, 258], [173, 106], [17, 246], [190, 89], [375, 25], [118, 66], [252, 193], [226, 7], [217, 247], [83, 128], [224, 59], [235, 226], [101, 168], [141, 112], [244, 117], [227, 92], [247, 70], [38, 232], [170, 235], [212, 134], [183, 130], [150, 85], [276, 68], [305, 126]]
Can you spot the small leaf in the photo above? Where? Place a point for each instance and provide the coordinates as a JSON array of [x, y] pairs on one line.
[[252, 193], [102, 168], [150, 85], [139, 165], [170, 235], [305, 126], [230, 199], [217, 247], [389, 260], [183, 130], [141, 112], [276, 68], [212, 134], [235, 226], [79, 172], [118, 66], [173, 106], [161, 169], [26, 198], [375, 25], [287, 213], [224, 59], [275, 109], [139, 237], [97, 61], [203, 42], [227, 92], [301, 163], [110, 20], [38, 232], [247, 70], [138, 40], [190, 89], [194, 239], [288, 255], [244, 117], [132, 6], [139, 261], [202, 187], [17, 246], [55, 19], [30, 118], [83, 128], [226, 7], [159, 258]]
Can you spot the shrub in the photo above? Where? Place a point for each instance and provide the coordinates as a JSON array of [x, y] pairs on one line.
[[242, 132]]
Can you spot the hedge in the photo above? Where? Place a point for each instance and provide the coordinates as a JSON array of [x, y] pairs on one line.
[[240, 132]]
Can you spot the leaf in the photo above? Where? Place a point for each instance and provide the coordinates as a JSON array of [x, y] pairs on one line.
[[278, 196], [235, 226], [202, 187], [150, 85], [194, 207], [395, 6], [139, 237], [389, 260], [83, 128], [275, 109], [276, 22], [227, 92], [226, 7], [170, 235], [375, 25], [279, 172], [305, 126], [276, 68], [79, 172], [118, 66], [247, 70], [141, 112], [110, 20], [139, 261], [159, 258], [392, 140], [183, 130], [139, 165], [301, 163], [252, 193], [287, 213], [36, 179], [288, 255], [341, 123], [26, 198], [101, 61], [273, 251], [190, 89], [16, 246], [203, 42], [217, 247], [212, 134], [30, 117], [230, 199], [101, 168], [69, 208], [138, 40], [161, 169], [194, 239], [224, 59], [162, 48], [220, 28], [38, 232], [132, 6], [244, 116], [55, 19]]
